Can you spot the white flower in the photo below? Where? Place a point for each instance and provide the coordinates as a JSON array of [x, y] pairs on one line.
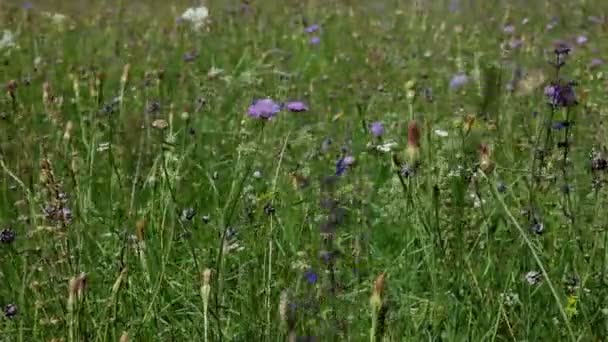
[[386, 147], [56, 18], [533, 277], [198, 16], [441, 133], [8, 40]]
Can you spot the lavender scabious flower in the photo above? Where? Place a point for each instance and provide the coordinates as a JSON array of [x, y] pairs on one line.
[[343, 164], [264, 109], [312, 28], [315, 40], [561, 94], [296, 106], [581, 40], [596, 62], [377, 128], [458, 81]]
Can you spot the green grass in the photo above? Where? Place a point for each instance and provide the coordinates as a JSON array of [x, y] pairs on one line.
[[265, 258]]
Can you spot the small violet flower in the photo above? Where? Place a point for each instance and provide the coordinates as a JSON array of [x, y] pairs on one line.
[[311, 276], [376, 128], [458, 81], [343, 164], [315, 40], [312, 28], [296, 106]]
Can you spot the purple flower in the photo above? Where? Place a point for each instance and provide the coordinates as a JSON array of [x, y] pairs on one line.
[[27, 5], [190, 56], [312, 28], [458, 81], [315, 40], [561, 94], [508, 29], [581, 40], [311, 276], [343, 164], [296, 106], [515, 43], [377, 128], [596, 62], [559, 125], [264, 109]]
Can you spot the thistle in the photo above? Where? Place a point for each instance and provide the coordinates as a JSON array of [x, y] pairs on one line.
[[378, 306], [485, 161], [413, 142]]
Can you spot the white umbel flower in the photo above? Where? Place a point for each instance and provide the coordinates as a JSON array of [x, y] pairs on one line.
[[197, 16]]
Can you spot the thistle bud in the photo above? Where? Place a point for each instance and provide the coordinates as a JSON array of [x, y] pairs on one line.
[[413, 141], [376, 298], [485, 161], [140, 229]]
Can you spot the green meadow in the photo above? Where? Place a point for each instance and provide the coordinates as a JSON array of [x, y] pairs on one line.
[[310, 170]]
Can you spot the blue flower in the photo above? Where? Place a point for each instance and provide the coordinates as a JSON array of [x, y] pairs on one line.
[[311, 276], [343, 164]]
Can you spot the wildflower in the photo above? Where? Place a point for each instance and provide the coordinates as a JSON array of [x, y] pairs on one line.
[[561, 94], [442, 133], [343, 164], [515, 43], [7, 235], [377, 128], [386, 147], [296, 106], [485, 161], [7, 40], [190, 56], [413, 141], [559, 125], [197, 16], [56, 18], [315, 40], [311, 277], [376, 300], [458, 81], [508, 29], [257, 174], [533, 277], [596, 62], [11, 310], [312, 28], [581, 40], [264, 109]]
